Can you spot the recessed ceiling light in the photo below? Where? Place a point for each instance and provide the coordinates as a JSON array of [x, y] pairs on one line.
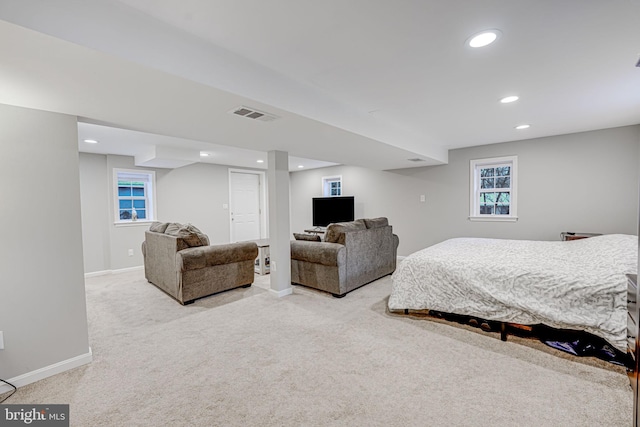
[[520, 127], [203, 154], [90, 141], [300, 166], [483, 38], [508, 99], [260, 161]]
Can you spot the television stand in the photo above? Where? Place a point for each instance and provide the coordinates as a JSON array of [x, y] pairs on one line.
[[316, 230]]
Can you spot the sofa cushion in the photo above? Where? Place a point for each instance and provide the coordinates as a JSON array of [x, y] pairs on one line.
[[193, 236], [332, 235], [376, 222], [188, 233], [158, 227], [309, 237], [172, 228]]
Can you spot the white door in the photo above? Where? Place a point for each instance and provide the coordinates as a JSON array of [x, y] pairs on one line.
[[244, 206]]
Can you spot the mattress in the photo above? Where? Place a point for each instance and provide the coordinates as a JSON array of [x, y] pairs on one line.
[[577, 285]]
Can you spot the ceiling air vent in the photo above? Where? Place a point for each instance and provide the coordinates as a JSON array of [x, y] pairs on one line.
[[252, 113], [417, 159]]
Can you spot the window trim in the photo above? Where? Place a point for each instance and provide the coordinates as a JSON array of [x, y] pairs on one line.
[[474, 190], [326, 181], [150, 187]]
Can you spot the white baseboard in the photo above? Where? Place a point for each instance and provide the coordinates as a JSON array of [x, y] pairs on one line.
[[282, 293], [97, 273], [107, 272], [47, 371], [127, 270]]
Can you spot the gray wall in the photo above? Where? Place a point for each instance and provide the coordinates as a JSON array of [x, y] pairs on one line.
[[191, 194], [94, 183], [195, 194], [42, 300], [123, 237], [585, 182]]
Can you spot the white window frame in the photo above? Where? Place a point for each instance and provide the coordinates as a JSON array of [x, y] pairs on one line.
[[149, 178], [474, 188], [326, 185]]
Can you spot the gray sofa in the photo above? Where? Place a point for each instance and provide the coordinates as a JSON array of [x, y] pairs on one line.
[[351, 255], [179, 260]]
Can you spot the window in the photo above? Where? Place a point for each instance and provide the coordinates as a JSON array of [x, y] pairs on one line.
[[134, 194], [331, 186], [493, 189]]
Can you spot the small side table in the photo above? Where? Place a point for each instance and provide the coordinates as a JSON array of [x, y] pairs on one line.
[[568, 235], [262, 263]]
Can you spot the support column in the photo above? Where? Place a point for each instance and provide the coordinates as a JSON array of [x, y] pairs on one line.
[[279, 223]]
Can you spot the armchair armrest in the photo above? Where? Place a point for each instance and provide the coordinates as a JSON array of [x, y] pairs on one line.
[[207, 256], [325, 253]]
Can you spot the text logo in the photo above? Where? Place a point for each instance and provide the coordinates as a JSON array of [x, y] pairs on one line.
[[34, 415]]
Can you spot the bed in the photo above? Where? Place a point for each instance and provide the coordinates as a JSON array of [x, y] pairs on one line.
[[576, 285]]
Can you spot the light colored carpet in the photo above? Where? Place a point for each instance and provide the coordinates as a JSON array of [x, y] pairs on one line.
[[247, 358]]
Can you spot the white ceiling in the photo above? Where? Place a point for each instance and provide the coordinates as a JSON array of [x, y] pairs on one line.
[[370, 83], [113, 140]]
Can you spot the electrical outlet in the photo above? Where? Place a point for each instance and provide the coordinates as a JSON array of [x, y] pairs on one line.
[[130, 252], [423, 198], [1, 340], [273, 266]]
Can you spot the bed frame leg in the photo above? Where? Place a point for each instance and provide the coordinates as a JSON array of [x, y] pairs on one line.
[[406, 311], [503, 331]]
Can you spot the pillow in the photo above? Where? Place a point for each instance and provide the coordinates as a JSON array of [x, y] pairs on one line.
[[158, 227], [334, 231], [189, 234], [172, 228], [309, 237], [193, 236], [376, 222]]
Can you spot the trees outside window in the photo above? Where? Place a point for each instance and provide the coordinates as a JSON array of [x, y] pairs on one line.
[[331, 186], [493, 189]]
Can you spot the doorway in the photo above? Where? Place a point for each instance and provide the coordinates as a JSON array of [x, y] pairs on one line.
[[246, 205]]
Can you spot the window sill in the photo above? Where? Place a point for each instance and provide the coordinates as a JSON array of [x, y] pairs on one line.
[[494, 218], [140, 223]]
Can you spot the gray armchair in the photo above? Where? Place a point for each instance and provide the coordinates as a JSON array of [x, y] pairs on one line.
[[179, 260], [351, 255]]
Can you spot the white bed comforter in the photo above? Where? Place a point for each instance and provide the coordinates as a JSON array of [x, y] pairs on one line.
[[579, 284]]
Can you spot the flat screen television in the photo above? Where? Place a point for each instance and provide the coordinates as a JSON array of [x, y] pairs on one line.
[[332, 209]]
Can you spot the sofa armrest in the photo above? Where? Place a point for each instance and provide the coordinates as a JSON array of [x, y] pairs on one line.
[[325, 253], [371, 253], [207, 256]]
